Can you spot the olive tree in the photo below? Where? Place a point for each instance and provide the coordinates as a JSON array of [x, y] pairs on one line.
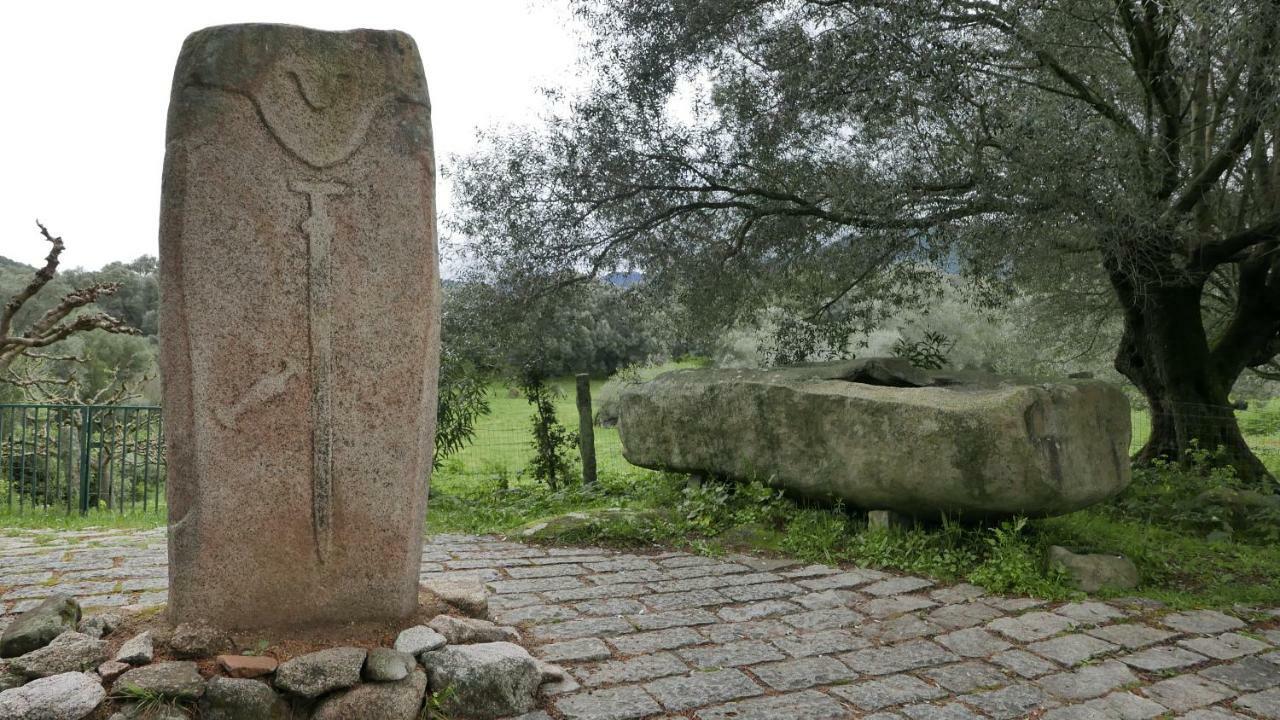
[[826, 156]]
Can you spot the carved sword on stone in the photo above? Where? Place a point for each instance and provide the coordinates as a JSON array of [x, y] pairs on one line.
[[320, 230]]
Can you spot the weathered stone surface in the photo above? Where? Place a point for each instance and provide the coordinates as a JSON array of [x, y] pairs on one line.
[[137, 650], [1092, 572], [112, 669], [99, 626], [178, 680], [488, 680], [69, 696], [621, 703], [865, 433], [467, 595], [242, 699], [69, 652], [464, 631], [198, 640], [298, 208], [317, 673], [387, 665], [38, 626], [399, 700], [419, 639], [247, 666]]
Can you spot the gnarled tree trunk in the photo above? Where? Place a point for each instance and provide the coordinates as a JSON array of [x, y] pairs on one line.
[[1165, 352]]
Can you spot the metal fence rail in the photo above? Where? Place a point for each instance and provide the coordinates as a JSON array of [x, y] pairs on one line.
[[77, 457]]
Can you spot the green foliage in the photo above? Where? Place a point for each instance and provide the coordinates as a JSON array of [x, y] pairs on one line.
[[1263, 421], [553, 444], [928, 353], [1202, 496], [1013, 564], [462, 399]]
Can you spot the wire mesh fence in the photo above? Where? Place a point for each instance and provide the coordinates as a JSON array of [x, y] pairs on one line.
[[78, 457]]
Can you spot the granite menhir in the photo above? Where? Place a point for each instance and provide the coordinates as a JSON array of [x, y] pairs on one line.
[[300, 325]]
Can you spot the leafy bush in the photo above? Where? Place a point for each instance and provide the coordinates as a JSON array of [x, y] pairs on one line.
[[553, 443], [1201, 496]]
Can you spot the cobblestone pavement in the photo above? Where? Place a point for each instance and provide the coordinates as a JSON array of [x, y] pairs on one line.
[[672, 635]]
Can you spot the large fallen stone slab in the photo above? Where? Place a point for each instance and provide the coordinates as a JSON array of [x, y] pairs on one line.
[[881, 435]]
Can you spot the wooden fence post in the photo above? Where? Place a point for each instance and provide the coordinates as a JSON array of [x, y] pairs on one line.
[[586, 429]]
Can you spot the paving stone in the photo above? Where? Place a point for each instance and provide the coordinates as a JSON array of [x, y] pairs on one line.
[[949, 711], [533, 585], [1072, 649], [803, 672], [1247, 675], [1013, 604], [619, 564], [1116, 706], [963, 615], [1202, 622], [621, 703], [811, 571], [1227, 646], [1131, 635], [574, 650], [1088, 682], [1187, 692], [823, 619], [829, 599], [609, 607], [718, 582], [762, 591], [960, 593], [1015, 701], [673, 618], [896, 586], [573, 629], [810, 705], [1264, 704], [892, 690], [903, 627], [707, 570], [967, 676], [535, 614], [686, 692], [849, 579], [636, 669], [1164, 657], [754, 630], [1032, 626], [756, 611], [973, 642], [648, 642], [537, 571], [897, 658], [1087, 614], [687, 599], [896, 605], [746, 652], [595, 592], [822, 642], [676, 561], [1211, 714]]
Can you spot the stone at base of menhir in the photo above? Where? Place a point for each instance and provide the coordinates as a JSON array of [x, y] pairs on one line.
[[240, 699], [38, 626], [399, 700], [490, 680], [69, 695], [1094, 572], [467, 595]]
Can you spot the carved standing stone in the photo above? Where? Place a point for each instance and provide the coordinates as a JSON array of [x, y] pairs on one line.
[[300, 328]]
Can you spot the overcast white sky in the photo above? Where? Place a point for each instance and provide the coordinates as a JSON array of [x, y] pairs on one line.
[[86, 86]]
